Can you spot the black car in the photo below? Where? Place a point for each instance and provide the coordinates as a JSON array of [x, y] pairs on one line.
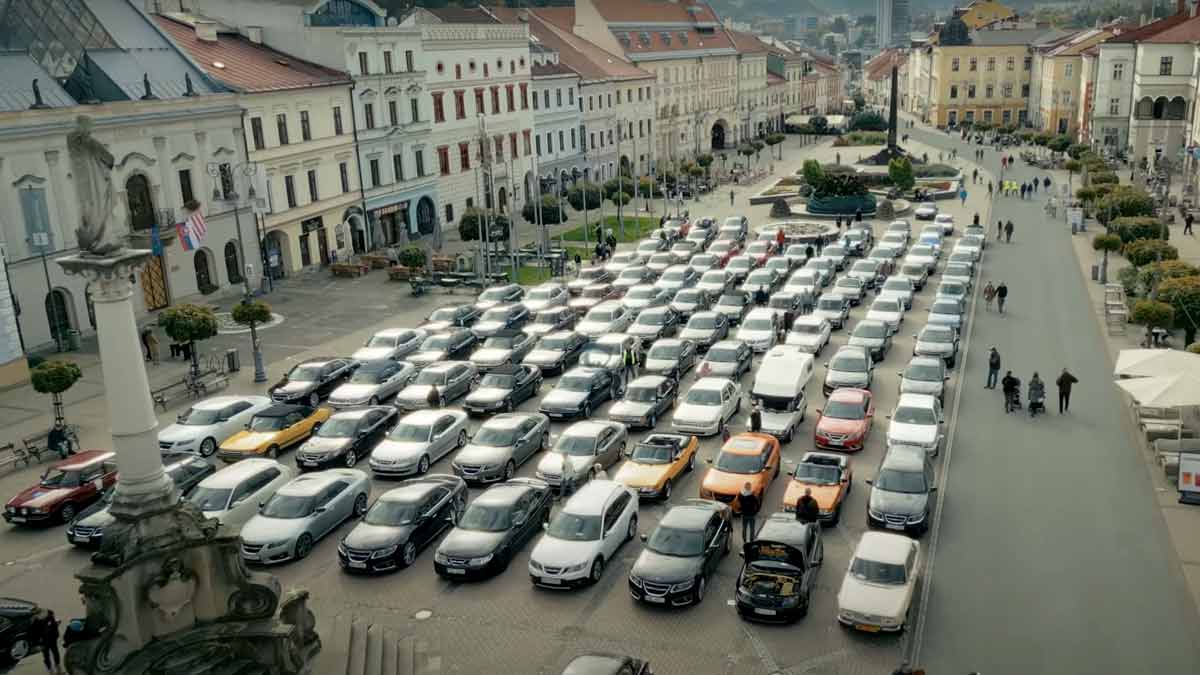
[[499, 295], [902, 492], [670, 357], [312, 381], [401, 522], [556, 352], [346, 437], [453, 316], [184, 469], [654, 323], [578, 392], [734, 305], [647, 399], [681, 554], [494, 528], [607, 664], [503, 389], [779, 570], [499, 319], [18, 623], [455, 345]]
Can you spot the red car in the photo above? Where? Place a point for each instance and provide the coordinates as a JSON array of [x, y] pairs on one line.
[[845, 421], [761, 251], [64, 490], [724, 249]]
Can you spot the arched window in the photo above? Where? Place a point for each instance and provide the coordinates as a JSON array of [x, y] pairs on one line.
[[141, 205], [426, 218], [233, 265], [1145, 109], [203, 271], [1160, 108], [1177, 108], [58, 315]]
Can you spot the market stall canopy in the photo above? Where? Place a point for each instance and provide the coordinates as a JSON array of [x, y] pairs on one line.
[[1156, 362], [1168, 391]]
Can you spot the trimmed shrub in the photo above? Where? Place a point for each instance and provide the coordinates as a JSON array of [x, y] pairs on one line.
[[593, 192], [780, 209], [1124, 201], [868, 121], [1153, 314], [1103, 178], [1131, 229], [1183, 294], [1146, 251], [412, 256]]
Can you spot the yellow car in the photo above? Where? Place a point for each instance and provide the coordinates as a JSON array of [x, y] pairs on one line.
[[656, 462], [271, 430]]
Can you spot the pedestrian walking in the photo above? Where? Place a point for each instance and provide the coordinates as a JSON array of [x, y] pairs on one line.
[[1065, 381], [780, 239], [760, 296], [1046, 183], [629, 362], [808, 253], [1008, 230], [807, 508], [724, 434], [974, 176], [999, 230], [1187, 223], [975, 219], [578, 264], [434, 399], [756, 417], [612, 241], [989, 294], [989, 189], [838, 222], [858, 215], [993, 368], [1001, 296], [962, 196], [1022, 191], [748, 504], [806, 303], [731, 197], [1034, 186], [566, 471], [48, 634]]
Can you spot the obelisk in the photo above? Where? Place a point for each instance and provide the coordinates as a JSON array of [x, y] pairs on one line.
[[891, 140]]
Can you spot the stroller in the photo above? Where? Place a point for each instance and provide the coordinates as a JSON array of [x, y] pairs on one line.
[[1012, 400], [1037, 401]]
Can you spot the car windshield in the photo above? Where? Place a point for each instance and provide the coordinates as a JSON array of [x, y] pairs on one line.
[[674, 275], [288, 507], [497, 314], [720, 247], [849, 282], [589, 273], [897, 285], [922, 252], [648, 246], [494, 294], [884, 305], [642, 293], [957, 271], [732, 300], [305, 374], [200, 417], [436, 343], [757, 248], [849, 362], [688, 296], [575, 383], [338, 427], [266, 423], [665, 352], [722, 355], [641, 394], [497, 381], [554, 343], [738, 264], [410, 433], [676, 542], [924, 372], [576, 446], [574, 527], [830, 303], [500, 342], [944, 308], [486, 518], [863, 266], [943, 336], [382, 341], [912, 270], [908, 482], [736, 462], [951, 289], [652, 453], [210, 499], [631, 273], [914, 415], [662, 258], [875, 572], [623, 258], [596, 292], [58, 478], [653, 318], [817, 474], [806, 328], [870, 330], [444, 314], [760, 278], [704, 261], [431, 377], [702, 322], [391, 512], [759, 323], [601, 315], [704, 396], [372, 375], [843, 410]]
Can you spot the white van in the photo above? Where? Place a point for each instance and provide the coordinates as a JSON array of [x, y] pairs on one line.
[[233, 494], [779, 385]]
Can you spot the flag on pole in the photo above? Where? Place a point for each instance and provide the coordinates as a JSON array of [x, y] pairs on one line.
[[191, 231]]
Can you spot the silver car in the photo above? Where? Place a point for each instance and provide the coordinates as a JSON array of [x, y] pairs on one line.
[[503, 348], [727, 358], [301, 512], [588, 276], [417, 441], [500, 318], [455, 344], [852, 288], [500, 445], [677, 277], [937, 341], [607, 317], [551, 320], [715, 282], [834, 308], [545, 296], [899, 288], [688, 301], [957, 272], [705, 329], [373, 382], [849, 367], [661, 261], [925, 375], [390, 344], [579, 449], [499, 295], [645, 296], [947, 312], [452, 379]]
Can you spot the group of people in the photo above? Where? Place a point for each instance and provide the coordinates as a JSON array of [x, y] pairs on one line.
[[997, 293], [1011, 385], [605, 248], [1011, 188], [1004, 231]]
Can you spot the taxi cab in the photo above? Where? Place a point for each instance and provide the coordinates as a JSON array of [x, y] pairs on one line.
[[830, 479], [656, 463], [745, 458], [271, 430]]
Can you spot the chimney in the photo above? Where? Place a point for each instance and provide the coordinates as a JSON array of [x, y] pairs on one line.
[[254, 34], [206, 31]]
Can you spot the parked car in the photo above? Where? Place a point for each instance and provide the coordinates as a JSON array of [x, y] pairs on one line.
[[898, 288], [926, 211], [922, 255], [827, 477], [937, 341], [645, 296], [499, 295], [745, 458], [677, 277], [209, 423], [708, 406], [544, 296], [779, 570], [946, 220], [661, 261], [607, 352], [272, 430], [499, 319], [725, 250], [846, 420], [634, 276], [312, 381], [593, 295], [735, 305], [902, 491], [760, 329], [727, 358], [873, 336], [880, 582], [803, 281], [810, 333], [951, 289], [501, 445], [417, 441], [704, 262], [917, 273], [390, 344], [670, 357], [607, 317], [555, 352], [688, 301], [448, 318], [374, 381], [303, 511], [683, 250], [502, 349], [579, 392], [917, 421], [682, 554], [454, 345], [705, 329], [852, 288], [582, 446], [646, 399], [588, 276], [452, 379], [869, 271], [849, 367], [946, 311], [624, 259], [767, 280], [551, 320], [494, 527], [838, 255], [834, 308], [234, 493], [958, 272], [345, 437], [503, 388], [21, 628], [925, 375], [584, 536], [739, 267], [653, 324], [401, 522], [761, 251], [656, 462]]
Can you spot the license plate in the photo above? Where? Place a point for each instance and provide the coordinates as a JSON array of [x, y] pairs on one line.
[[455, 570], [358, 565], [655, 598], [765, 612], [309, 463], [78, 539], [866, 628], [833, 442], [551, 581], [17, 519], [894, 526]]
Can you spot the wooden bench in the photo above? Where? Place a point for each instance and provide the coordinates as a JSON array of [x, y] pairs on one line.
[[171, 392], [399, 273], [208, 382], [448, 282], [348, 269], [35, 445], [376, 262]]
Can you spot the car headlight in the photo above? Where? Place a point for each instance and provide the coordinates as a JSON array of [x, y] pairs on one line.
[[683, 586], [277, 544], [636, 581], [875, 514], [576, 568], [384, 552], [440, 557], [789, 601], [535, 565], [479, 562]]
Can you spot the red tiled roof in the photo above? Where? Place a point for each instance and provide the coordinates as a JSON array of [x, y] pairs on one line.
[[249, 67], [881, 66], [1184, 31], [563, 17], [655, 11], [746, 43], [549, 69], [581, 56], [1151, 29]]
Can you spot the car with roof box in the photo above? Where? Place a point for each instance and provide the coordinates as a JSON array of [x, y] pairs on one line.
[[345, 437], [747, 457], [312, 380], [390, 344], [273, 430], [301, 512], [401, 522], [581, 447], [646, 399], [501, 445], [505, 294], [451, 379], [453, 345], [233, 494], [373, 382], [502, 349], [208, 423], [448, 318], [64, 490], [555, 352], [584, 536], [493, 529], [656, 462], [503, 389], [418, 440], [779, 570], [551, 320], [681, 554]]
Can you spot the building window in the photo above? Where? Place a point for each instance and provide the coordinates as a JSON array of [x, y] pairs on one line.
[[458, 71], [393, 113], [485, 69], [592, 140], [408, 60], [991, 64], [256, 132], [289, 188], [1027, 64], [369, 115], [973, 64], [185, 186], [571, 96], [313, 195], [1025, 91], [1165, 64], [419, 160], [987, 116], [499, 142], [1114, 106], [512, 144], [415, 108], [537, 144], [1007, 91], [954, 64], [524, 96], [479, 110], [535, 100], [557, 98], [1118, 71], [305, 127], [337, 120], [444, 160], [464, 156], [1006, 116], [591, 104], [344, 174], [561, 146], [363, 64], [970, 91], [387, 61], [510, 97], [495, 100], [440, 67], [1069, 69], [373, 167], [460, 106], [439, 111], [281, 127], [1010, 63], [988, 91], [572, 138], [450, 207]]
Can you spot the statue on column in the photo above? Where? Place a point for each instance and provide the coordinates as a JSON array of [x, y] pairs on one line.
[[91, 170]]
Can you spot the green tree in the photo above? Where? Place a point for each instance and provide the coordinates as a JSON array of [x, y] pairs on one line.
[[746, 150], [594, 194], [55, 378], [705, 161], [1152, 314], [860, 102], [1124, 201], [900, 172], [189, 324], [819, 124], [1043, 139], [413, 257], [1145, 251], [1059, 143], [1132, 228], [1183, 295], [838, 26], [648, 188], [473, 221], [1076, 150], [774, 140], [1105, 243], [812, 172], [868, 121]]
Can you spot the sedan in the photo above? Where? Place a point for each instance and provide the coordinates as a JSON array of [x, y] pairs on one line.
[[502, 349], [420, 439], [869, 271], [873, 336], [922, 255], [452, 346], [620, 261], [646, 399], [761, 250], [851, 288], [588, 276], [593, 295], [760, 329], [401, 522], [688, 301], [810, 333], [849, 367], [705, 329], [391, 344], [704, 262], [551, 320], [764, 279], [938, 341], [579, 392], [951, 289], [734, 305], [499, 295], [917, 422], [312, 381], [959, 273], [437, 385], [493, 529], [684, 250], [545, 296], [946, 220], [918, 274], [714, 282], [727, 358], [846, 420], [677, 277], [670, 357], [209, 423], [374, 381], [880, 583], [925, 375], [501, 445], [655, 323], [659, 262], [556, 352], [301, 512], [499, 319], [657, 462], [899, 288], [725, 250], [682, 554], [803, 281], [448, 318], [607, 317], [888, 311], [926, 211], [708, 406], [779, 570], [947, 312], [632, 276], [580, 449], [503, 388], [739, 268], [345, 437], [834, 308], [645, 296], [837, 255]]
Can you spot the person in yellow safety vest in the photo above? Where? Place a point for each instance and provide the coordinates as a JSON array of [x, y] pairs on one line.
[[629, 359]]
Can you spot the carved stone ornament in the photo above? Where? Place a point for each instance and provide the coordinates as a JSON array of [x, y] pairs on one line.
[[91, 169], [173, 590]]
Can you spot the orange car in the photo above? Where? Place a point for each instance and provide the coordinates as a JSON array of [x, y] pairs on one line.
[[656, 462], [745, 458], [828, 476]]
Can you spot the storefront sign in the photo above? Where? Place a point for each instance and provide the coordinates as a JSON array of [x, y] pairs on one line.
[[390, 209]]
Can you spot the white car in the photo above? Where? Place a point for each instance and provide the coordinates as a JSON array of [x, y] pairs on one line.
[[677, 277], [922, 255], [707, 406], [834, 308], [932, 239], [900, 226], [373, 382], [955, 290], [760, 329], [644, 296], [894, 240], [233, 494], [202, 428], [917, 421], [889, 311], [417, 441], [703, 262], [957, 272], [972, 243], [588, 276], [307, 508], [879, 584], [898, 288], [809, 333], [583, 537], [659, 262], [946, 221], [926, 211], [545, 296], [852, 288], [967, 253], [803, 281], [760, 278], [606, 317], [837, 254], [946, 312], [620, 261], [390, 344]]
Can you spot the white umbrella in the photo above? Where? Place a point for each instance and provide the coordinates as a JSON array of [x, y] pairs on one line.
[[1156, 362], [1167, 391]]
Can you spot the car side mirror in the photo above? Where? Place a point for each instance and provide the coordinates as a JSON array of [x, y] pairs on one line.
[[643, 537], [933, 488], [519, 520], [545, 526], [319, 509]]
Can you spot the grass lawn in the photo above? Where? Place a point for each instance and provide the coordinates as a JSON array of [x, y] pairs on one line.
[[636, 228], [528, 275]]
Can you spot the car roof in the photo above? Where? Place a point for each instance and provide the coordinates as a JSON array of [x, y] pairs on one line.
[[746, 443], [392, 332], [667, 342], [607, 304], [561, 334], [588, 428], [548, 285], [916, 401], [310, 484], [502, 494], [785, 529], [507, 332], [353, 413], [648, 381], [316, 361], [937, 328], [217, 402], [712, 383], [884, 547], [592, 497], [504, 307], [443, 365], [507, 420], [613, 338], [410, 492], [761, 312], [846, 349], [924, 361], [849, 395], [283, 410], [582, 371], [687, 517], [726, 344], [425, 416], [85, 459], [506, 369], [234, 474]]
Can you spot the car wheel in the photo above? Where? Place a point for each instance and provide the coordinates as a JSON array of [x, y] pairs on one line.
[[691, 463], [597, 571], [587, 409], [631, 532], [207, 447], [462, 438], [545, 441], [303, 546], [423, 465], [508, 405], [19, 649], [666, 491], [273, 451], [351, 458], [837, 515], [700, 587], [374, 400], [510, 469], [408, 554], [68, 512], [314, 399], [360, 505]]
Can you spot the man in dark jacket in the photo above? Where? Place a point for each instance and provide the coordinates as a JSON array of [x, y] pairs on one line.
[[748, 505], [49, 632], [993, 368], [756, 418], [1065, 381], [760, 296], [1001, 296], [434, 399], [1011, 385], [1008, 230], [807, 509]]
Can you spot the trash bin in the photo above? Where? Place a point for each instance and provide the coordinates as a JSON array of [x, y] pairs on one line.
[[72, 340], [1095, 273], [233, 361]]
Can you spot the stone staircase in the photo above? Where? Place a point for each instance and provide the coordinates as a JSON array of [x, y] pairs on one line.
[[359, 647]]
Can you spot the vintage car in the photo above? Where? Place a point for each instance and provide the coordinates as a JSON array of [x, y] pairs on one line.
[[779, 570], [64, 490], [746, 458], [278, 427], [828, 477], [656, 462]]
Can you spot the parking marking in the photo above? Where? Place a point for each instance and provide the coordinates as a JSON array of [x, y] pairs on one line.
[[760, 650]]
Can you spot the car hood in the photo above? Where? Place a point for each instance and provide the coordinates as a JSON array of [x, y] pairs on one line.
[[697, 413], [698, 334], [542, 356], [934, 347], [858, 341], [38, 496], [249, 440], [418, 393], [805, 339], [583, 304], [486, 395], [908, 386], [748, 334], [354, 392], [593, 327], [176, 433], [554, 552], [629, 409], [101, 518], [461, 543], [537, 305], [370, 537], [898, 295], [874, 599], [324, 445], [777, 421], [897, 503], [846, 377], [398, 450], [836, 425], [600, 360], [562, 397], [653, 566], [917, 434], [659, 365], [372, 353], [636, 475], [720, 368], [491, 355], [482, 454], [826, 495], [680, 306], [262, 530], [294, 388], [827, 314], [487, 327], [551, 463], [885, 317], [643, 329], [428, 357], [731, 483]]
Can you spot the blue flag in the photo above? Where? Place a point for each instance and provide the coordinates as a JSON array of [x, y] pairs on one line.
[[156, 246]]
